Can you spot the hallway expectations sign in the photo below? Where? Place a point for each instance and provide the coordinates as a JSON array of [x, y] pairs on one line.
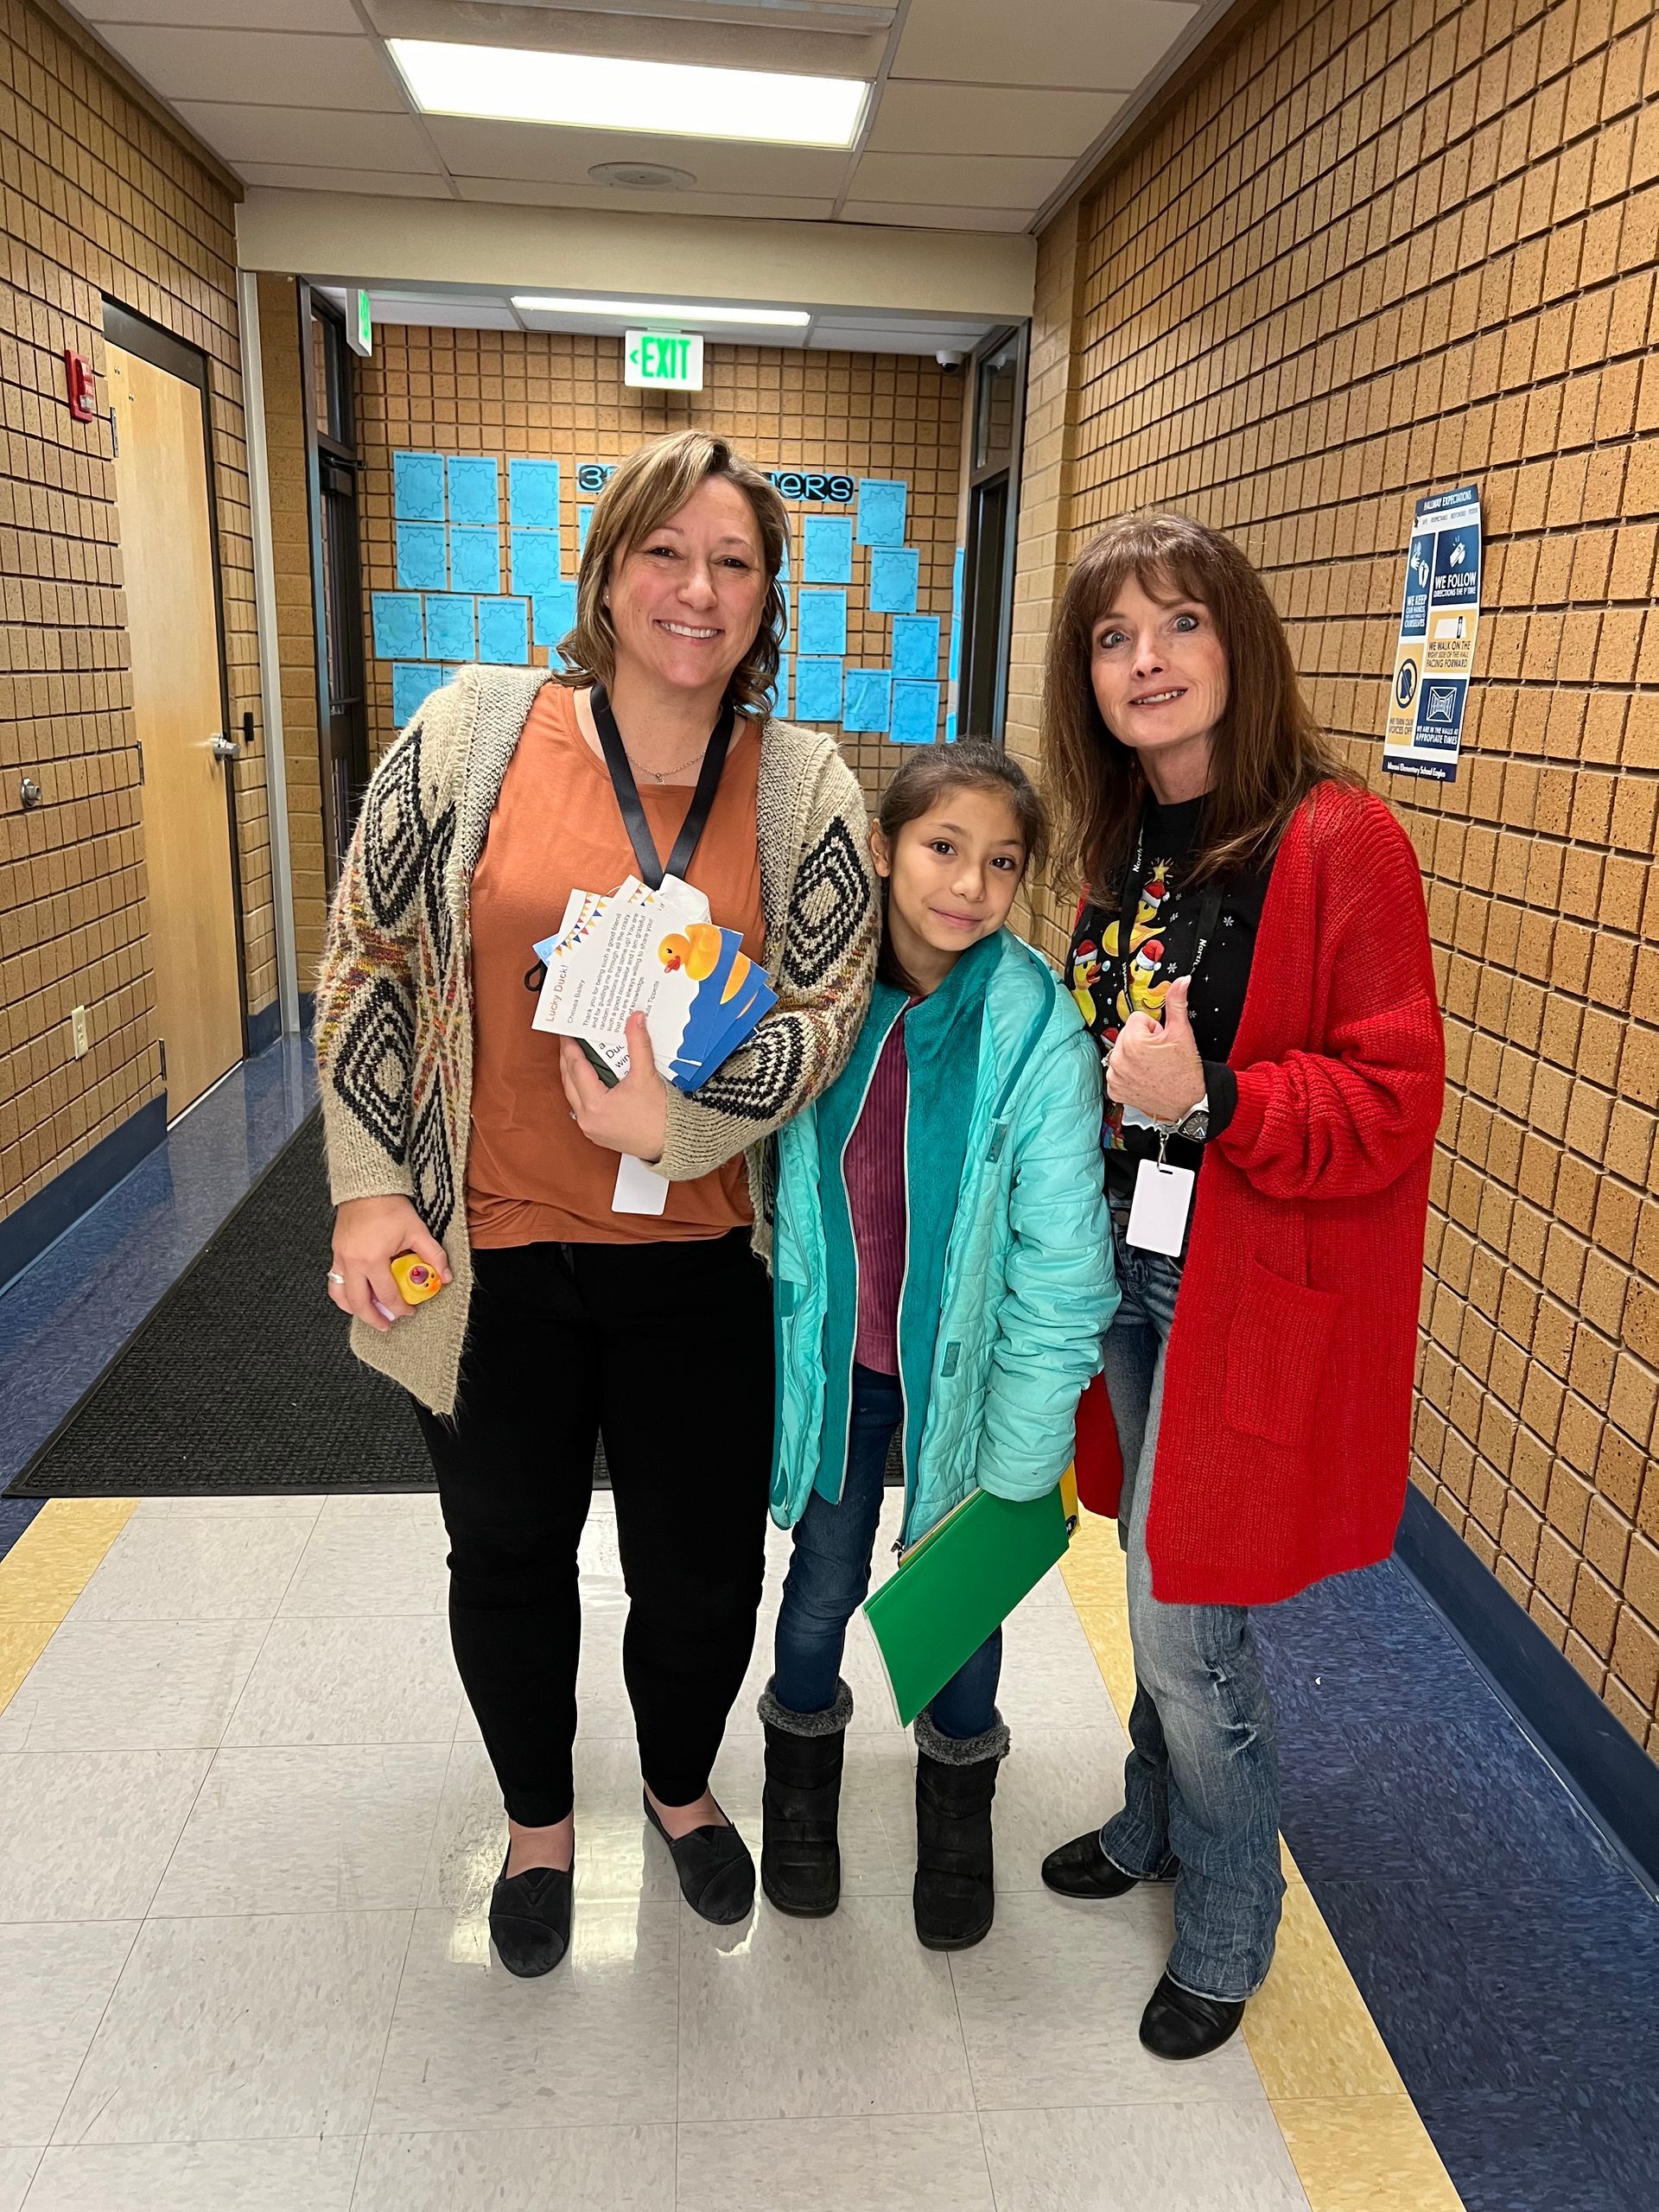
[[1439, 615]]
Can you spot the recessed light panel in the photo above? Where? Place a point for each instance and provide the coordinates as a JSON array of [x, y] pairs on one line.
[[667, 311], [670, 100]]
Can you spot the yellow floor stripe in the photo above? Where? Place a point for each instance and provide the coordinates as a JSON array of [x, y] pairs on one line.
[[44, 1573], [1351, 2130]]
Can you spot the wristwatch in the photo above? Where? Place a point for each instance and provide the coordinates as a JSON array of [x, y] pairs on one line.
[[1194, 1125]]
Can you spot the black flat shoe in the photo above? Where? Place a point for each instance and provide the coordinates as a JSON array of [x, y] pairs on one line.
[[716, 1872], [1178, 2025], [529, 1919], [1081, 1869]]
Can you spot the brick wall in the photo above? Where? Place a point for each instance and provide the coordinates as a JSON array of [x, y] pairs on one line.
[[97, 197], [286, 395], [1375, 248], [500, 392]]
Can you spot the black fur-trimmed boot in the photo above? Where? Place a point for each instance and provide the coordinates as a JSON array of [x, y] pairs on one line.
[[800, 1855], [955, 1896]]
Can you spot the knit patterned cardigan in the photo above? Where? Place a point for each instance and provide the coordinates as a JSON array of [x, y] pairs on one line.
[[394, 1007]]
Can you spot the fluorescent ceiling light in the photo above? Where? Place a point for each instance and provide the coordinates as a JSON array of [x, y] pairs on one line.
[[670, 100], [662, 311]]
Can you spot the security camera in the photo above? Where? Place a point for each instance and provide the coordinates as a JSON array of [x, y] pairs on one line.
[[947, 359]]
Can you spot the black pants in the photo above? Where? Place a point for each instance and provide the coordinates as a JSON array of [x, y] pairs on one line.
[[666, 1350]]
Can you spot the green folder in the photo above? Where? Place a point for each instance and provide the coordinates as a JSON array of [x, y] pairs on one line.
[[961, 1581]]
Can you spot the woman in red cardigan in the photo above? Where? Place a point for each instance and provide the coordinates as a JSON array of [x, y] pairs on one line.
[[1254, 959]]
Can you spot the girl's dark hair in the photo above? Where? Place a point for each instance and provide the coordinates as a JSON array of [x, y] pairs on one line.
[[1269, 752], [974, 765]]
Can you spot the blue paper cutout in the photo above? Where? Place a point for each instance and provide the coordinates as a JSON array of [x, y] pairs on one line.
[[537, 561], [828, 554], [533, 494], [789, 620], [915, 714], [417, 486], [783, 571], [398, 633], [895, 573], [817, 690], [475, 490], [916, 646], [882, 505], [950, 728], [584, 516], [420, 556], [504, 630], [954, 670], [475, 560], [553, 614], [869, 699], [451, 624], [779, 694], [412, 684], [822, 622]]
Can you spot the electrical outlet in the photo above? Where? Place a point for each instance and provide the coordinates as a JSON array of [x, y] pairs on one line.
[[78, 1022]]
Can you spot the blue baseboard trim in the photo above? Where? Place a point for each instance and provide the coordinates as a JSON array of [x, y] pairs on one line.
[[1611, 1773], [265, 1028], [43, 1218]]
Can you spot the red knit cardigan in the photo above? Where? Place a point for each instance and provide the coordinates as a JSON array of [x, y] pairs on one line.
[[1285, 1437]]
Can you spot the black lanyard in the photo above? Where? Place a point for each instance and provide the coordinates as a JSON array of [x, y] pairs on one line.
[[651, 870], [1128, 905]]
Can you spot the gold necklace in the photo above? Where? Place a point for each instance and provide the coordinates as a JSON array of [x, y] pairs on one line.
[[667, 773]]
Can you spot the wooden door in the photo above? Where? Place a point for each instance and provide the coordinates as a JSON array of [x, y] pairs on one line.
[[166, 561]]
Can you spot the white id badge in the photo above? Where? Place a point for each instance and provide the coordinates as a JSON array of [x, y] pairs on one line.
[[1163, 1197], [639, 1189]]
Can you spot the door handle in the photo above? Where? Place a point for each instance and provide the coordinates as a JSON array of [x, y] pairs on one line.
[[223, 748]]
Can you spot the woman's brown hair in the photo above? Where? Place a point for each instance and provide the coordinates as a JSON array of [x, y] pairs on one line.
[[648, 488], [925, 777], [1268, 753]]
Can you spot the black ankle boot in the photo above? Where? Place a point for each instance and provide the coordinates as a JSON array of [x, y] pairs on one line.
[[955, 1896], [800, 1858], [1178, 2025]]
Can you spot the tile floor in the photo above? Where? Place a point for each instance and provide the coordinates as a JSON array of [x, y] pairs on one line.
[[247, 1835]]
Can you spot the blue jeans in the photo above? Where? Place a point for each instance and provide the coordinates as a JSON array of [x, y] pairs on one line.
[[830, 1573], [1201, 1783]]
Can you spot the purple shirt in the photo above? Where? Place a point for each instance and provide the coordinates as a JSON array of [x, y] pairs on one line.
[[874, 1167]]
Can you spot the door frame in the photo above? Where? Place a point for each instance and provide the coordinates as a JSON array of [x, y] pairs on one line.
[[134, 333], [314, 308], [975, 646]]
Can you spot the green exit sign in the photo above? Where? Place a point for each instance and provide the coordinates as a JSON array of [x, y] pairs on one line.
[[663, 360]]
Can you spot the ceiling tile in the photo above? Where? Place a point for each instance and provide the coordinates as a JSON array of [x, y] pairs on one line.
[[987, 119], [519, 192], [960, 180], [239, 134], [382, 184], [1107, 43], [283, 68], [227, 15], [539, 154], [935, 219]]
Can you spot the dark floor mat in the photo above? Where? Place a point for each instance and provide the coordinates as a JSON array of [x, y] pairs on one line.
[[242, 1380]]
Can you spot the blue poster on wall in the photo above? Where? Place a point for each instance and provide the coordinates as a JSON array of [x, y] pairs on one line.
[[536, 562], [417, 486], [822, 622], [818, 689], [553, 611], [881, 511], [915, 714], [826, 555], [475, 490], [398, 632], [450, 622], [895, 573], [504, 630], [869, 699], [533, 494], [412, 684], [916, 646], [475, 560], [420, 556]]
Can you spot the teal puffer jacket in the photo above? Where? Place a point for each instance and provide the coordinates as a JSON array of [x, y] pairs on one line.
[[1007, 1294]]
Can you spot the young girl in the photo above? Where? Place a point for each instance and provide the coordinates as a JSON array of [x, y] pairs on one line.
[[942, 1268]]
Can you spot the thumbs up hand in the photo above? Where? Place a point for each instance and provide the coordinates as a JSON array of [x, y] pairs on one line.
[[1157, 1071]]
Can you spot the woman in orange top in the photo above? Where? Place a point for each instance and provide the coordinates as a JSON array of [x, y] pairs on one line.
[[564, 1319]]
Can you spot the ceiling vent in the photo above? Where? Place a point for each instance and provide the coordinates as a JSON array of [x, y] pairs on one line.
[[642, 176]]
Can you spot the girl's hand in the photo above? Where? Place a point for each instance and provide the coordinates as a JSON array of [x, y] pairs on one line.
[[629, 1116], [369, 1234], [1157, 1071]]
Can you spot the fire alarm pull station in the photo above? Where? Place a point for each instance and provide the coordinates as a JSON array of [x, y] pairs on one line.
[[78, 370]]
